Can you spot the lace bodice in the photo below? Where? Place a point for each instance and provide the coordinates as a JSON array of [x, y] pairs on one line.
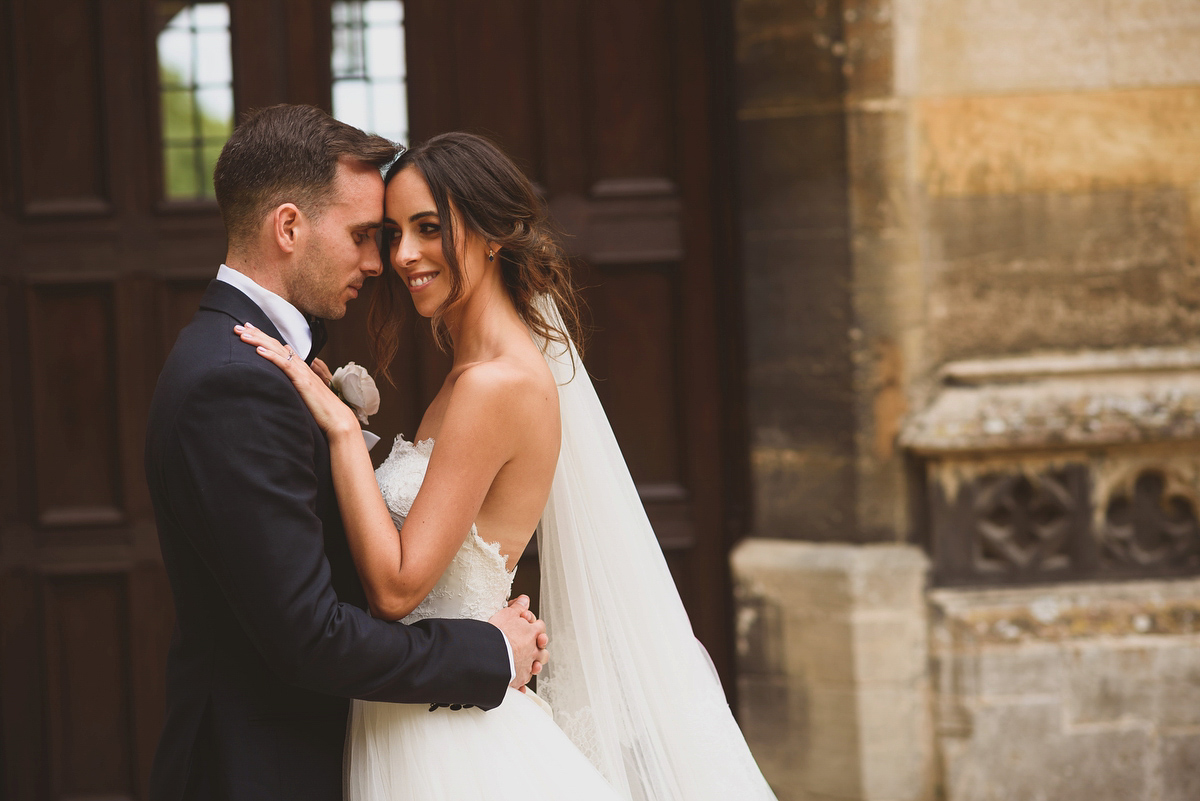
[[477, 582]]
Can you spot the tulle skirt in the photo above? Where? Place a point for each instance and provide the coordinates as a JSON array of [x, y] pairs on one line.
[[515, 751]]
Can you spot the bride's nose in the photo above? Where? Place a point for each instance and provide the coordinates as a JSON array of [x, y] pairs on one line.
[[404, 251]]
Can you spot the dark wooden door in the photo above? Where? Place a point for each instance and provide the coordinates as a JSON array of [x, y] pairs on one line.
[[609, 106], [98, 271]]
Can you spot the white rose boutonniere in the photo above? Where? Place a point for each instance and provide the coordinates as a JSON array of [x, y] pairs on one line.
[[354, 385]]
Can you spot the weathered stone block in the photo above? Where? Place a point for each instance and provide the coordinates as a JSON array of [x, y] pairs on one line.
[[792, 171], [1111, 683], [1018, 273], [1076, 692], [1020, 671], [1084, 142], [1020, 752], [1178, 688], [1181, 767], [987, 46], [854, 631], [785, 51]]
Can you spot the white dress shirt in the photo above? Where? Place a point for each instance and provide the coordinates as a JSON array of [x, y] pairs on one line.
[[286, 317], [294, 329]]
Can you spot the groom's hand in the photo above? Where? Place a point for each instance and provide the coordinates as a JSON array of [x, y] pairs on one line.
[[527, 636]]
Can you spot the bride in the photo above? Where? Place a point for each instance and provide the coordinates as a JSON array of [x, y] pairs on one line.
[[515, 440]]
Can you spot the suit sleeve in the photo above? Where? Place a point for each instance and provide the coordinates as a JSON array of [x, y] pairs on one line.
[[246, 490]]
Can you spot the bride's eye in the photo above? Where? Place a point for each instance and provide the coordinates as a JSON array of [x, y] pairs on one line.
[[429, 228]]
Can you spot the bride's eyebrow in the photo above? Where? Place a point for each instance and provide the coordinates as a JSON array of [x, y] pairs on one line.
[[421, 214]]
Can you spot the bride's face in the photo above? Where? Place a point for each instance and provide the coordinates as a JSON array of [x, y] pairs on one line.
[[412, 222]]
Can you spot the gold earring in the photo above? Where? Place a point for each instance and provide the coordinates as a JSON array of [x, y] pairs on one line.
[[491, 255]]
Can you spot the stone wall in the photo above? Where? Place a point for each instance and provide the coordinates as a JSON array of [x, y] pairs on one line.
[[971, 246], [1088, 692], [923, 181], [1057, 170]]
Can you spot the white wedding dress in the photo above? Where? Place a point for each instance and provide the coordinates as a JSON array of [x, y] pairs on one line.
[[639, 713], [407, 751]]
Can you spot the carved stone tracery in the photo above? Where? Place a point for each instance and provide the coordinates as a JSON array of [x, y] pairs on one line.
[[1154, 524], [1023, 523]]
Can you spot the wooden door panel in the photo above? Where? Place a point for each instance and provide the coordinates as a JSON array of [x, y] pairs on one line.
[[73, 380], [631, 88], [59, 107], [88, 685], [633, 363]]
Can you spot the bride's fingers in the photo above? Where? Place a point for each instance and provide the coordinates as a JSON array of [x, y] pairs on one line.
[[322, 370], [257, 337]]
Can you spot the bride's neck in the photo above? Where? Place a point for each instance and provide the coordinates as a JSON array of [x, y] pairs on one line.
[[482, 323]]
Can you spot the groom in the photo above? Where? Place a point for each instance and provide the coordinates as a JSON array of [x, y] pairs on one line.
[[271, 636]]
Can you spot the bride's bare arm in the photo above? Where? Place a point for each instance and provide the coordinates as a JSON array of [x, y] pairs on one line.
[[397, 572]]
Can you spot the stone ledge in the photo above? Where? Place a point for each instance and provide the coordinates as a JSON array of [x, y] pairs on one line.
[[1061, 400], [1075, 611]]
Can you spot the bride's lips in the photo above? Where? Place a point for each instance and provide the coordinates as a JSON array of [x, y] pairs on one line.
[[419, 281]]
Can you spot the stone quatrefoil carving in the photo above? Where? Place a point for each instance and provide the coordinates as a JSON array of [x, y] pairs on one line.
[[1023, 523], [1152, 525], [1025, 526]]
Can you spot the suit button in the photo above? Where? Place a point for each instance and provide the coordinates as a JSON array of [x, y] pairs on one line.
[[456, 707]]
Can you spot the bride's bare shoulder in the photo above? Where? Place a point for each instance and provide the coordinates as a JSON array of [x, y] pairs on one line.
[[512, 386]]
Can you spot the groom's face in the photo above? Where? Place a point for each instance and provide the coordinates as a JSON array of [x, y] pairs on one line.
[[341, 249]]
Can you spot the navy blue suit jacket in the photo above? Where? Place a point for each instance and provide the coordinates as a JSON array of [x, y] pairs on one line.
[[271, 637]]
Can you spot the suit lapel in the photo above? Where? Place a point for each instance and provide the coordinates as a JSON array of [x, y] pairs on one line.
[[228, 299]]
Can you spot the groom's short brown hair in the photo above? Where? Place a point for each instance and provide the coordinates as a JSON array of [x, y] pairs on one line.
[[287, 154]]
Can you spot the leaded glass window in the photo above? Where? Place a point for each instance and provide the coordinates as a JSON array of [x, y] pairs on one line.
[[195, 75], [369, 66]]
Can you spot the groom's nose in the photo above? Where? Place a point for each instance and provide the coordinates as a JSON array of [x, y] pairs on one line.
[[371, 264]]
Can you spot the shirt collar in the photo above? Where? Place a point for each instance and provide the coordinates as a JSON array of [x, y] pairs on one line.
[[287, 318]]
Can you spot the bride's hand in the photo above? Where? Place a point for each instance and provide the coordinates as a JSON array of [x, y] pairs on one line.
[[332, 415]]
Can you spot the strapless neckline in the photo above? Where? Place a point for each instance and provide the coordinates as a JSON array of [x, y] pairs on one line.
[[477, 582]]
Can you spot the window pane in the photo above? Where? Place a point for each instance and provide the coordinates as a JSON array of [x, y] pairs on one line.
[[216, 113], [368, 66], [212, 16], [384, 53], [195, 93], [388, 102], [175, 57], [178, 117], [208, 163], [383, 13], [213, 67], [179, 172], [351, 103]]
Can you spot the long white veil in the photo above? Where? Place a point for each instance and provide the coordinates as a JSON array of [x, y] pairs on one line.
[[627, 679]]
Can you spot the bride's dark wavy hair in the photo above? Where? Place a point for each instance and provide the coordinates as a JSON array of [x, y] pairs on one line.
[[474, 182]]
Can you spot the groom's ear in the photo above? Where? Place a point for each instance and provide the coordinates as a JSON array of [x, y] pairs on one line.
[[286, 222]]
